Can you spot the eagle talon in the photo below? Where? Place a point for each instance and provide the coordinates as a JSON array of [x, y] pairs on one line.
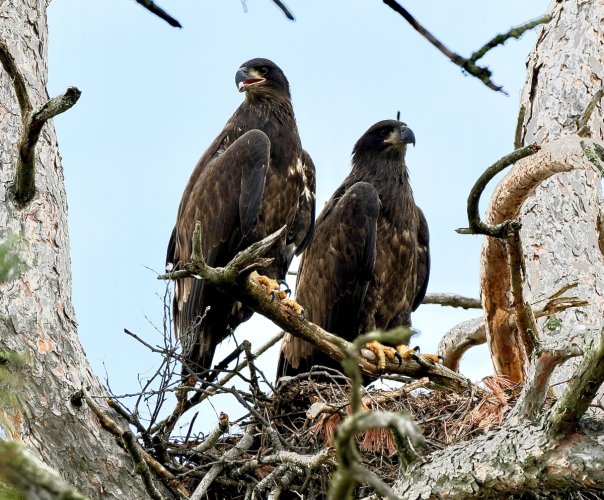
[[381, 353], [287, 290]]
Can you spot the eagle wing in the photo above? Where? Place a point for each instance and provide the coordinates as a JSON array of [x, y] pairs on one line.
[[423, 259], [224, 194], [334, 274], [303, 227]]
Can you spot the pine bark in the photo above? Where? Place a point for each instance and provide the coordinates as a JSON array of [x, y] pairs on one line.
[[561, 227], [37, 319]]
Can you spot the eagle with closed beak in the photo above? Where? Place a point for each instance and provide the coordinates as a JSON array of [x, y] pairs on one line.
[[368, 263], [252, 180]]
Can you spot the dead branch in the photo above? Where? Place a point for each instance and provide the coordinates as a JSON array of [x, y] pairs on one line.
[[244, 444], [111, 426], [24, 187], [469, 64], [405, 431], [155, 9], [561, 155], [165, 426], [452, 300], [459, 339], [212, 438], [476, 225], [543, 361], [237, 280], [581, 390], [525, 318]]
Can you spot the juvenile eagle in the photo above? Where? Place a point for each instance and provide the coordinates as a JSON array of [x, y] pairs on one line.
[[368, 263], [252, 180]]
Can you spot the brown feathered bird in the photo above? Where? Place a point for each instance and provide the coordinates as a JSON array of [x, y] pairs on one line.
[[368, 263], [253, 179]]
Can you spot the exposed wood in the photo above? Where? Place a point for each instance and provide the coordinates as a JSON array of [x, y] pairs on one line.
[[562, 155]]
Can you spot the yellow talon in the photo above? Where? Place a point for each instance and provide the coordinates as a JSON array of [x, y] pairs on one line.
[[405, 352], [268, 283], [292, 304], [381, 353]]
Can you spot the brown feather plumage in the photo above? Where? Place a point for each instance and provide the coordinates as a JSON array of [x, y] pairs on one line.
[[250, 182], [368, 263]]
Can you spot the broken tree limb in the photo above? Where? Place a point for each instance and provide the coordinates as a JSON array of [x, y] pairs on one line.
[[24, 187]]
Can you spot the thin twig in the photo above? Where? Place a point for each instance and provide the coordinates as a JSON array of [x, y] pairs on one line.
[[468, 64]]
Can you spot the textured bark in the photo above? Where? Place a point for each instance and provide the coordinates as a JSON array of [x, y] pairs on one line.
[[513, 460], [37, 320], [560, 225]]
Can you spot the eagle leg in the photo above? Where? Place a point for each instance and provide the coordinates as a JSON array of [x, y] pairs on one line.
[[381, 353]]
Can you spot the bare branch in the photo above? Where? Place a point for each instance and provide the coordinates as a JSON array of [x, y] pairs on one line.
[[516, 33], [581, 390], [476, 225], [244, 444], [234, 281], [24, 187], [110, 425], [459, 339], [212, 438], [469, 65], [560, 155], [452, 300], [152, 7]]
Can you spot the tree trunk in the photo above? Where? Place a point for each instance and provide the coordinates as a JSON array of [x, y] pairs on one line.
[[37, 317], [560, 221]]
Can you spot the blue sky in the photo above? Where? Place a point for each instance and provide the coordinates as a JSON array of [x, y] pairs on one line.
[[154, 97]]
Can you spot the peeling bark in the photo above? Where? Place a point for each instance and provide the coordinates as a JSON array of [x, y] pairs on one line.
[[37, 320]]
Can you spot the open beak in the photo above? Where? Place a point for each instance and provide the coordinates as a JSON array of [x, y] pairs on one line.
[[244, 79]]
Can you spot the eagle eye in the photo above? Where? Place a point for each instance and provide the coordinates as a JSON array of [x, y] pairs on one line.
[[263, 70]]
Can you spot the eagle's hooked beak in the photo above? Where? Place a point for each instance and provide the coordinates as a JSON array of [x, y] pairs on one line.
[[406, 135], [244, 78]]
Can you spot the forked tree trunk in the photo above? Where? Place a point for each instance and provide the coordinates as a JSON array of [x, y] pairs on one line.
[[560, 221], [37, 320]]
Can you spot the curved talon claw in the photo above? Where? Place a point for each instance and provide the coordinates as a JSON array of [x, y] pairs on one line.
[[287, 290]]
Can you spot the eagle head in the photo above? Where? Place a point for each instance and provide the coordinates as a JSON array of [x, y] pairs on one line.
[[261, 76], [388, 136]]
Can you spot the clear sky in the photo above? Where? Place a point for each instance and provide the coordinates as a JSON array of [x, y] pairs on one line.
[[154, 97]]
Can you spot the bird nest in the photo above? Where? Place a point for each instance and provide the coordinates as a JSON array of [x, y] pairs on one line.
[[304, 415]]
